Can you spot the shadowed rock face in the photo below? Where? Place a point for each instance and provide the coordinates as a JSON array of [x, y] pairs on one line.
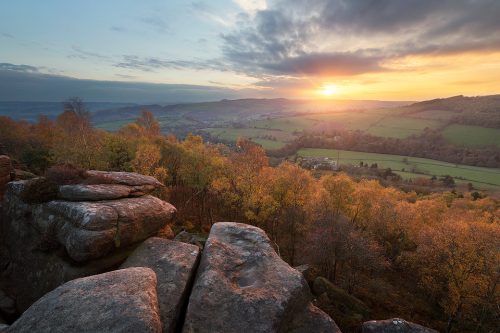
[[243, 286], [43, 245], [174, 264], [394, 325], [5, 171], [119, 301]]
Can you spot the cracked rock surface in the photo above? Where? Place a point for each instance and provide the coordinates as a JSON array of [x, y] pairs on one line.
[[242, 285], [118, 301], [43, 245], [174, 264]]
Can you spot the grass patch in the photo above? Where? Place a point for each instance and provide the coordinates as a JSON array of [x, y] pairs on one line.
[[388, 132], [269, 144], [482, 177], [114, 125], [401, 127], [472, 136], [435, 114], [257, 135], [288, 124], [348, 120]]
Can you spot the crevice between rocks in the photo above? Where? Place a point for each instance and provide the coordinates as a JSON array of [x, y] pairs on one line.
[[179, 325]]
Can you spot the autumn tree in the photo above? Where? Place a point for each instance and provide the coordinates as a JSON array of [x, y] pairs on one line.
[[147, 161], [458, 263], [79, 143], [149, 123], [239, 178], [278, 204], [117, 153]]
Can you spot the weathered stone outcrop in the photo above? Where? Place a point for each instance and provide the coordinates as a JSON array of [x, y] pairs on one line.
[[90, 230], [43, 245], [98, 192], [174, 264], [394, 325], [243, 286], [119, 301], [5, 173], [123, 178]]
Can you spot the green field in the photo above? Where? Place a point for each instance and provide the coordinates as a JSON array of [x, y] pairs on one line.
[[347, 120], [472, 135], [114, 125], [289, 124], [376, 122], [401, 127], [269, 144], [257, 135], [434, 114], [413, 166]]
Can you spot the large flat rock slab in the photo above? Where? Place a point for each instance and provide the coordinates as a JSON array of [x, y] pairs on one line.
[[122, 178], [118, 301], [242, 285], [174, 264], [80, 192], [99, 192]]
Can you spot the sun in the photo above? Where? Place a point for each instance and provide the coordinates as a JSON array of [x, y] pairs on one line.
[[328, 90]]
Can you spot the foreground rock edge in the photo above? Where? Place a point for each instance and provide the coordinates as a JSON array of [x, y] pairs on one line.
[[118, 301], [244, 281]]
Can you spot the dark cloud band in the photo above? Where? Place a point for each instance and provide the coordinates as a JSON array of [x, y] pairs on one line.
[[286, 38]]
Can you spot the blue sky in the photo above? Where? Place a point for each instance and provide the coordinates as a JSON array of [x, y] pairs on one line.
[[86, 39], [109, 49]]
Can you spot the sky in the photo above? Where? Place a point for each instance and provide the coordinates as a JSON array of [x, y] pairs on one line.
[[180, 50]]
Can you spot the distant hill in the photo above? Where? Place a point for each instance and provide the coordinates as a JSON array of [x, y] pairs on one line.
[[479, 111], [462, 103], [30, 111], [241, 109]]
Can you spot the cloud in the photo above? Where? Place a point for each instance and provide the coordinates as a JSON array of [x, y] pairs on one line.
[[150, 64], [16, 85], [156, 22], [251, 6], [116, 28], [18, 68], [341, 37], [79, 53], [124, 76], [6, 35], [206, 12]]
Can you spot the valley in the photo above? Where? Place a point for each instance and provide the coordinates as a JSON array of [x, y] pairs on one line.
[[276, 124]]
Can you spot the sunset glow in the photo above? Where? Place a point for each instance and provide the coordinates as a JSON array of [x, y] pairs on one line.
[[329, 90], [325, 49]]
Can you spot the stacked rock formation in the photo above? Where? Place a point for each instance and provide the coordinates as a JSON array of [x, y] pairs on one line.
[[88, 229]]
